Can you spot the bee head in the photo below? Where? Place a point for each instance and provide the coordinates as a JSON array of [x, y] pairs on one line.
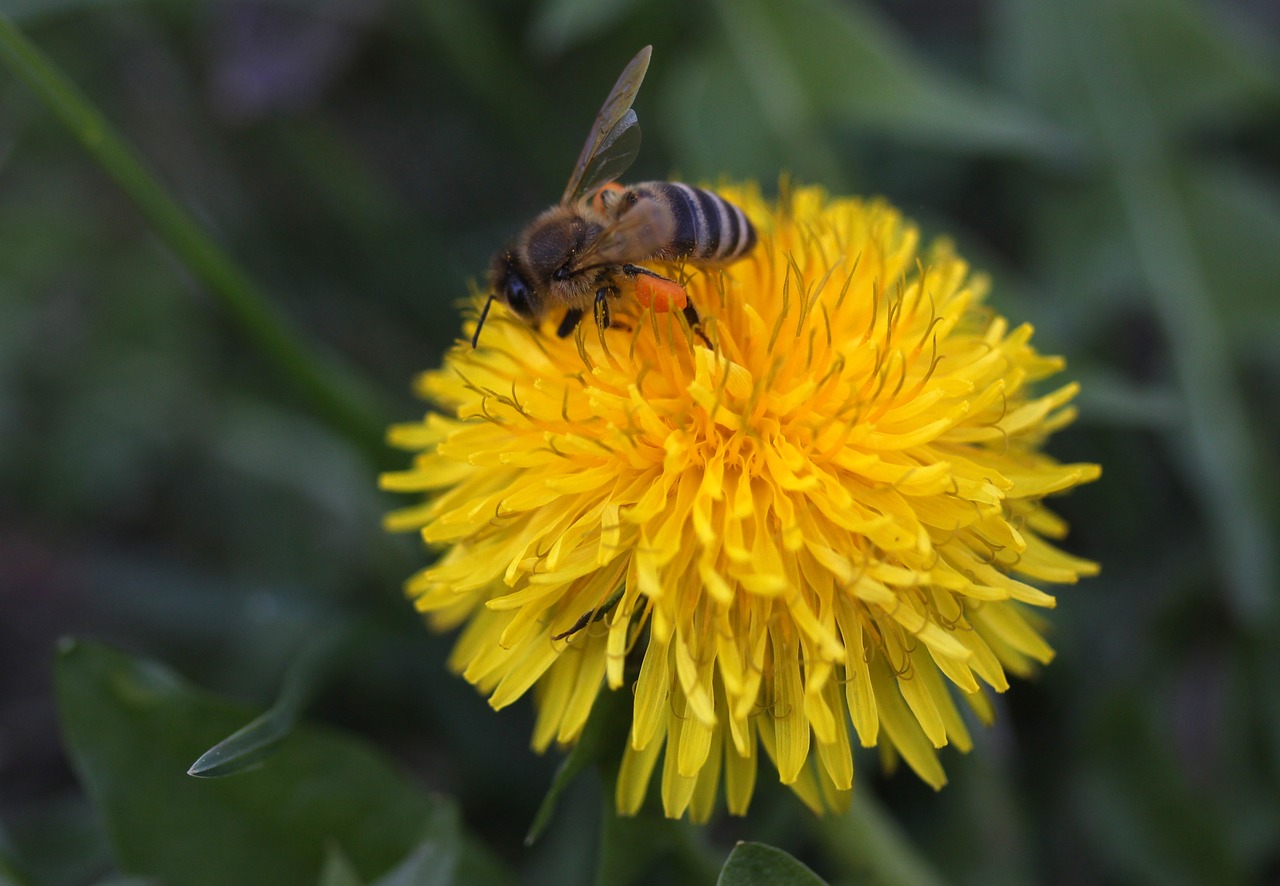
[[509, 284]]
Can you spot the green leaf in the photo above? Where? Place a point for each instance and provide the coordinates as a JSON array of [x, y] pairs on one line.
[[444, 858], [20, 10], [131, 727], [255, 741], [1107, 397], [337, 870], [868, 839], [336, 387], [1234, 215], [712, 129], [434, 861], [632, 846], [1194, 64], [9, 873], [756, 864], [558, 25], [648, 847], [1223, 462], [815, 58], [55, 840], [1196, 68], [1255, 812], [1139, 812], [471, 39]]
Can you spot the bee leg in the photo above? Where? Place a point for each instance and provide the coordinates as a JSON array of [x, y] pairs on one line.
[[570, 322], [664, 294], [602, 305], [695, 322], [604, 317], [606, 196], [656, 291]]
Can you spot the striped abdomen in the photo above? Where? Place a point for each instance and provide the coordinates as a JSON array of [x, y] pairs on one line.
[[708, 228]]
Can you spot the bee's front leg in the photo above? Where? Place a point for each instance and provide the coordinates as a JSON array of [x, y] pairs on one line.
[[602, 305], [606, 288], [570, 322]]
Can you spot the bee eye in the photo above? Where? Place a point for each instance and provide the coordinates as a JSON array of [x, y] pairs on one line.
[[516, 295]]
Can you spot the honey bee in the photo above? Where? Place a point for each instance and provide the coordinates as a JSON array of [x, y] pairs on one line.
[[587, 249]]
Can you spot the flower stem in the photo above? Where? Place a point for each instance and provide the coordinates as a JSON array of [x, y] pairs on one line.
[[335, 388], [865, 840]]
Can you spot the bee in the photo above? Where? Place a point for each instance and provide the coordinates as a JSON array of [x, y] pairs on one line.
[[587, 249]]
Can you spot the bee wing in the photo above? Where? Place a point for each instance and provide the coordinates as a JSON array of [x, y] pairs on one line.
[[614, 157], [614, 139], [634, 236]]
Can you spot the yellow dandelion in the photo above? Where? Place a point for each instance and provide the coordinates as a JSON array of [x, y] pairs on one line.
[[829, 518]]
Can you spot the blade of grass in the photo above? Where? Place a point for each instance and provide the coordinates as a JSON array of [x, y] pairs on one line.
[[1226, 467], [341, 394]]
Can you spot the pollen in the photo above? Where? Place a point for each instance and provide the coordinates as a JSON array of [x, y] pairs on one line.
[[660, 294], [823, 522]]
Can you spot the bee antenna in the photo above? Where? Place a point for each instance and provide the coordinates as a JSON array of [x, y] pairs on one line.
[[475, 339]]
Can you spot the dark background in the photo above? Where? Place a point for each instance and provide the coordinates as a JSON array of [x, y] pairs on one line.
[[164, 486]]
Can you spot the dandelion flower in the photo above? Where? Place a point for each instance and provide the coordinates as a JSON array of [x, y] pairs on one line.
[[829, 518]]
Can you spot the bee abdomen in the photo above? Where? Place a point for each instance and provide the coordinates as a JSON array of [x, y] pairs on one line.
[[708, 228]]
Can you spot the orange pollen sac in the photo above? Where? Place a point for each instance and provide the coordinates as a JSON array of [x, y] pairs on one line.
[[598, 201], [660, 294]]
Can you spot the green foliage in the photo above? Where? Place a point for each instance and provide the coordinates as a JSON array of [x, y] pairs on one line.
[[231, 233], [333, 388], [132, 726], [602, 734], [258, 739], [756, 863]]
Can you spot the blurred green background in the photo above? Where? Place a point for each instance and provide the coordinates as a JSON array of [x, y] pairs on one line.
[[167, 488]]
